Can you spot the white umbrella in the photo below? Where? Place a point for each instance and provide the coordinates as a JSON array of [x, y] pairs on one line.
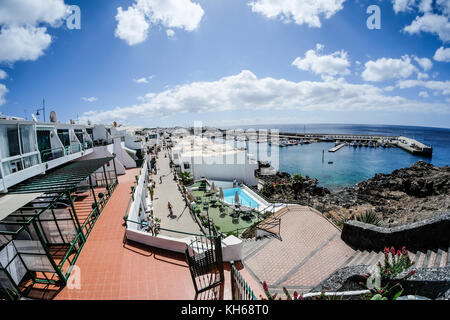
[[221, 196], [236, 198], [213, 187]]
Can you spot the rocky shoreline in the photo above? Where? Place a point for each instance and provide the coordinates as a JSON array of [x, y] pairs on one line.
[[404, 196]]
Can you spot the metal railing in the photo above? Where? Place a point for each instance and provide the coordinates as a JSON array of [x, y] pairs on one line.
[[52, 154], [240, 290]]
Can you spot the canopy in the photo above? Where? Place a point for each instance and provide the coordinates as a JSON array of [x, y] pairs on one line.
[[61, 179], [10, 203]]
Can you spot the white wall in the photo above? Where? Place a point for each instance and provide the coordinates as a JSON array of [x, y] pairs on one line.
[[122, 155]]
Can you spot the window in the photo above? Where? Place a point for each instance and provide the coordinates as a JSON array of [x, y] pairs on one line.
[[13, 141], [63, 135], [27, 138], [186, 166]]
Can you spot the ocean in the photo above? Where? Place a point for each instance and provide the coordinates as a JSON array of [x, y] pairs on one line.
[[352, 165]]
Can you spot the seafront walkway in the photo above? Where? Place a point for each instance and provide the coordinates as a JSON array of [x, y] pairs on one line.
[[309, 249], [165, 192]]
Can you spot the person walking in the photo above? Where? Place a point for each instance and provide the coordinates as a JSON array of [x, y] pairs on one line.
[[169, 206]]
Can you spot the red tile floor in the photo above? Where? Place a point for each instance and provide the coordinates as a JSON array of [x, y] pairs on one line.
[[111, 269]]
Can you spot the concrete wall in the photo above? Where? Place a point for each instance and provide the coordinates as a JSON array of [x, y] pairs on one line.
[[422, 235], [122, 155]]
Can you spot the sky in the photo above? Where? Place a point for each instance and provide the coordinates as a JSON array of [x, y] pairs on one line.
[[227, 62]]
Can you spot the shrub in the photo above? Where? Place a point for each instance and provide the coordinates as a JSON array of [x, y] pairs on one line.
[[369, 217], [268, 189]]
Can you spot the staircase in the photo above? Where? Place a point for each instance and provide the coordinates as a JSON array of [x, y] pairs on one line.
[[439, 258]]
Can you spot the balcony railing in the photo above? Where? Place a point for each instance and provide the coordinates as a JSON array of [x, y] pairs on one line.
[[240, 290], [52, 154], [73, 148]]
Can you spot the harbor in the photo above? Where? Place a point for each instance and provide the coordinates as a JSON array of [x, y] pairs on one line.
[[285, 139]]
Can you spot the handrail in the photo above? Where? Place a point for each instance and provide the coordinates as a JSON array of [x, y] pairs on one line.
[[236, 278], [51, 151], [69, 251]]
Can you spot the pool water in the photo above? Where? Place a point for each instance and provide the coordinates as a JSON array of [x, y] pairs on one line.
[[244, 198]]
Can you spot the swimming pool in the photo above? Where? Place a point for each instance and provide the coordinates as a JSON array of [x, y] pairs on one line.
[[244, 198]]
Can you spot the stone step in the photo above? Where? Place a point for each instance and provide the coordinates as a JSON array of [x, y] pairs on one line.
[[437, 262], [444, 259], [419, 259], [448, 257], [361, 258], [350, 259], [427, 259], [432, 259], [374, 258], [369, 258]]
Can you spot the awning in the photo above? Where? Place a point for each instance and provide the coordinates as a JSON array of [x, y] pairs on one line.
[[10, 203], [60, 179]]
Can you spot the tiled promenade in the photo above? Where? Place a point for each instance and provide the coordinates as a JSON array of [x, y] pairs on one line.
[[168, 192], [310, 249]]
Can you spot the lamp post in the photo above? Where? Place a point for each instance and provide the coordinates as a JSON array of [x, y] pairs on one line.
[[43, 109]]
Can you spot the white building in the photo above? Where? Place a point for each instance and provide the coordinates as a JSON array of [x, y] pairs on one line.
[[29, 148], [204, 158]]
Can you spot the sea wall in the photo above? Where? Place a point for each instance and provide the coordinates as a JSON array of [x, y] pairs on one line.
[[425, 234]]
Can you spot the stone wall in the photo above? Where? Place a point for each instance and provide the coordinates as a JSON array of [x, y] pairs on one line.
[[426, 234]]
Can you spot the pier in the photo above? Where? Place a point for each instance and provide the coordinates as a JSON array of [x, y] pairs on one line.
[[336, 148]]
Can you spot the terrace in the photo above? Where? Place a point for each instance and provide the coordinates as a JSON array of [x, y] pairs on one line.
[[47, 222]]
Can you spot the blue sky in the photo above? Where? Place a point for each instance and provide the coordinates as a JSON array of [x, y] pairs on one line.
[[229, 62]]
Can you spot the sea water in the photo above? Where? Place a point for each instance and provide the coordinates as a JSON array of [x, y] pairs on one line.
[[352, 165]]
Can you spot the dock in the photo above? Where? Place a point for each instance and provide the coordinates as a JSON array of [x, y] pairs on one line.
[[336, 148], [413, 146]]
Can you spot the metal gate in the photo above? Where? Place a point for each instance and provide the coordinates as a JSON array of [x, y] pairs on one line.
[[204, 257]]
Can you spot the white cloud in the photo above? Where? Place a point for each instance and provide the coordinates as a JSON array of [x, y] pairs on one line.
[[442, 54], [435, 18], [32, 12], [246, 91], [144, 79], [89, 99], [388, 68], [23, 43], [423, 94], [307, 12], [134, 23], [3, 74], [22, 34], [442, 87], [324, 65], [425, 63], [403, 5], [3, 92], [432, 23], [170, 33], [422, 75]]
